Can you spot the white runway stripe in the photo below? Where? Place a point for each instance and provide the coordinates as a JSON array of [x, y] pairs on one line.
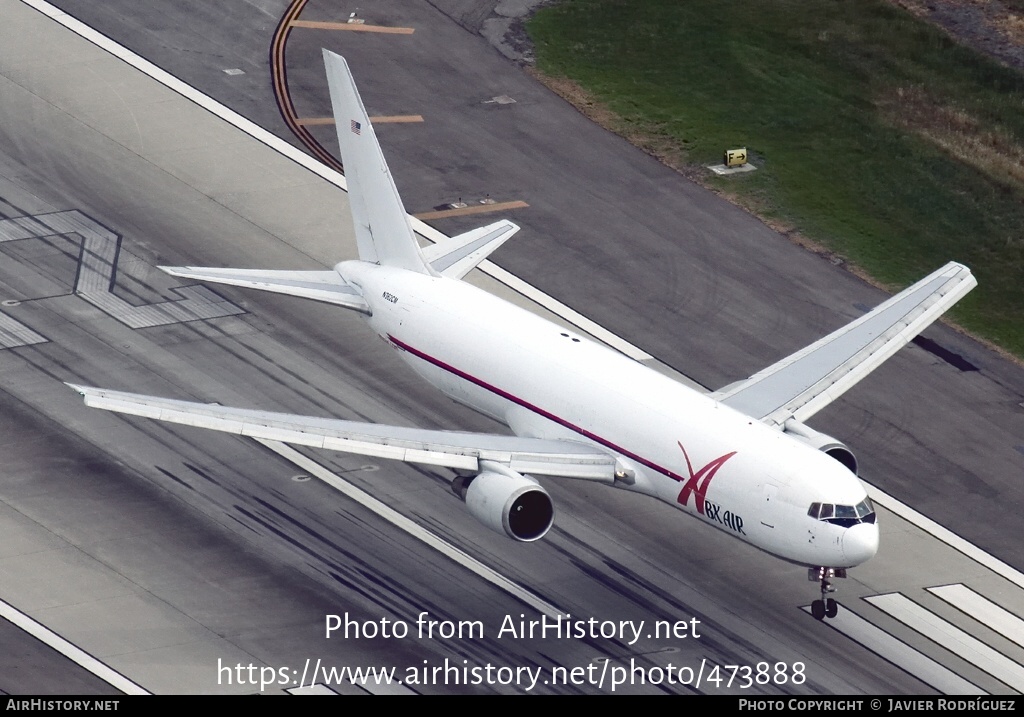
[[983, 610], [387, 689], [13, 333], [72, 652], [900, 654], [311, 690], [951, 637]]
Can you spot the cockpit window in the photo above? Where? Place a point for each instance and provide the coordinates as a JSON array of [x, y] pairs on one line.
[[846, 511], [844, 515]]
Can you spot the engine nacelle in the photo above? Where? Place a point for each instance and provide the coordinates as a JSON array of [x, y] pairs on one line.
[[819, 441], [508, 502]]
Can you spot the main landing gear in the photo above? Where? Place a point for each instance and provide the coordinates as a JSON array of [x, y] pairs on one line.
[[826, 607]]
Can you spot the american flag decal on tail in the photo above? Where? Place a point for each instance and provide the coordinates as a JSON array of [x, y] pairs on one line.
[[356, 127]]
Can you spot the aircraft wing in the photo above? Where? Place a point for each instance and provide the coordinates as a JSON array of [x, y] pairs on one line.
[[451, 449], [327, 286], [802, 384]]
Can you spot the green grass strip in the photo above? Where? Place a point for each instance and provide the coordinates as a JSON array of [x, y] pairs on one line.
[[875, 134]]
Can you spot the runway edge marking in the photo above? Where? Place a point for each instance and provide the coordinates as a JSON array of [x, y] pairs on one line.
[[496, 272], [276, 143], [69, 650]]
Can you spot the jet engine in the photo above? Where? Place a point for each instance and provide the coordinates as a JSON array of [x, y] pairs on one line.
[[819, 441], [507, 502]]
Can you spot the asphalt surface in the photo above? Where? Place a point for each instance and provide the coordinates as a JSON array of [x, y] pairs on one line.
[[242, 562]]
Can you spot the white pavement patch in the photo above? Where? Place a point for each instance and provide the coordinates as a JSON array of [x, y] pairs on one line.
[[73, 653], [412, 528]]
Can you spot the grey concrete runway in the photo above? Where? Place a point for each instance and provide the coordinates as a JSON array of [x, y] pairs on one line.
[[167, 552]]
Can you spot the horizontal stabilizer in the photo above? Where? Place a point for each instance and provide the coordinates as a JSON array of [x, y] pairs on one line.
[[457, 256], [451, 449], [326, 286], [802, 384]]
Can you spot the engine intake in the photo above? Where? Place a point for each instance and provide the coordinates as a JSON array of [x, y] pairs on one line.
[[822, 442], [507, 502]]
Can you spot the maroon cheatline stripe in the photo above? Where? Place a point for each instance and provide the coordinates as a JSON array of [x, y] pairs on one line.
[[536, 409]]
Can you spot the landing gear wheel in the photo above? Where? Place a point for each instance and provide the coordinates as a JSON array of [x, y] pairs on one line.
[[826, 606], [818, 609]]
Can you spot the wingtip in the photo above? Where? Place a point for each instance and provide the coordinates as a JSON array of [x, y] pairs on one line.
[[955, 268], [80, 390]]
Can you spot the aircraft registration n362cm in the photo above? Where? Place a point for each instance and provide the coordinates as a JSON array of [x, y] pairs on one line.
[[740, 459]]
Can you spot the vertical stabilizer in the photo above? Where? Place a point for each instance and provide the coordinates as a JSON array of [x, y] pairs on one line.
[[383, 233]]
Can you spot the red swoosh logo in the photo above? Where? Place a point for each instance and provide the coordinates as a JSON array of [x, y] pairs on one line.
[[699, 481]]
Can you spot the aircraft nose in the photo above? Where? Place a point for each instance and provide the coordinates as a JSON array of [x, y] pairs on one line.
[[860, 543]]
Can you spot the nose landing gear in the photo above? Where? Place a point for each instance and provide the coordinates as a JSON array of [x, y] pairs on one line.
[[826, 606]]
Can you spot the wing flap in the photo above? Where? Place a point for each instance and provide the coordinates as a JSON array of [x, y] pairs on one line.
[[327, 286], [450, 449], [805, 382]]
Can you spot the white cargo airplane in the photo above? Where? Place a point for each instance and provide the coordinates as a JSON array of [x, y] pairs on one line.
[[740, 459]]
